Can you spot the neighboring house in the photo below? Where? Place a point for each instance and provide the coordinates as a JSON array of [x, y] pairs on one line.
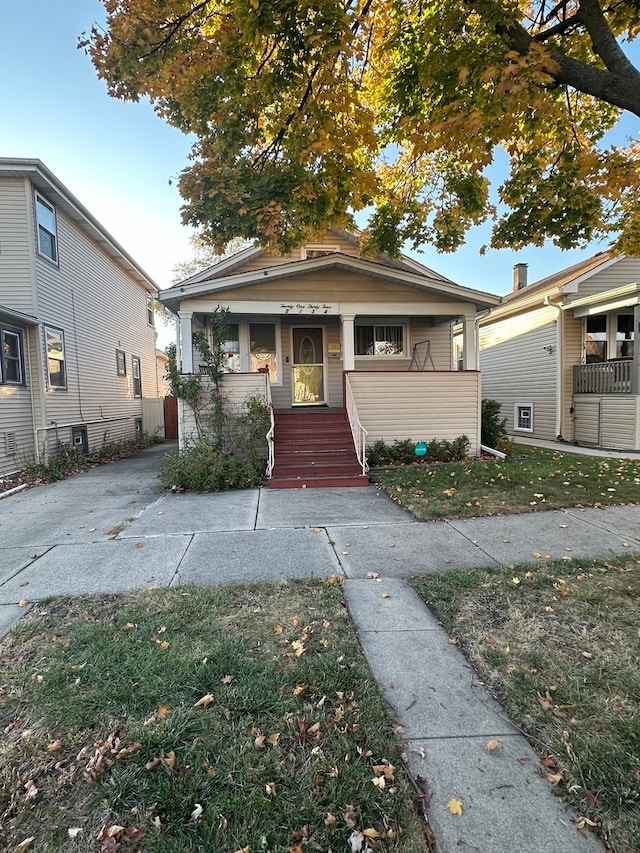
[[162, 383], [561, 354], [77, 336], [333, 330]]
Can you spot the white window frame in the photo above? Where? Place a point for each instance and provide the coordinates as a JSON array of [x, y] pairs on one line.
[[136, 360], [59, 333], [518, 407], [18, 334], [150, 311], [40, 200], [403, 324], [121, 362]]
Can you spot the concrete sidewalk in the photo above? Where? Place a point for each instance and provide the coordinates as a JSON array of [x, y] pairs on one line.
[[114, 529]]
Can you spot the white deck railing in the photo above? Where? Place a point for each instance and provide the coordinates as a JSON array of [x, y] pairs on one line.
[[271, 443], [602, 377], [358, 432]]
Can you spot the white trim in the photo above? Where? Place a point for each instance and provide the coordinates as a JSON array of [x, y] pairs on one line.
[[516, 427], [307, 312]]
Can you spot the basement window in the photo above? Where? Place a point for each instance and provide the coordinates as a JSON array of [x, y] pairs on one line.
[[523, 417]]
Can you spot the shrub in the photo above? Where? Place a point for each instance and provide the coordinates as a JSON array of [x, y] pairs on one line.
[[402, 451], [493, 427], [204, 468]]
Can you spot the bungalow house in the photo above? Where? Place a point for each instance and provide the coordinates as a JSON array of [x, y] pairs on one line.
[[329, 337], [77, 336], [561, 354]]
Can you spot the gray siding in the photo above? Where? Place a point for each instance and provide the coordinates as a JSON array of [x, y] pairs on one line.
[[517, 369], [16, 246], [610, 420], [622, 271], [100, 309], [17, 427]]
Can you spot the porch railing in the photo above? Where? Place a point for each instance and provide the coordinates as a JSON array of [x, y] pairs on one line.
[[271, 444], [358, 432], [602, 377]]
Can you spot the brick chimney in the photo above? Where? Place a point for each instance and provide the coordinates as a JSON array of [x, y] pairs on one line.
[[519, 276]]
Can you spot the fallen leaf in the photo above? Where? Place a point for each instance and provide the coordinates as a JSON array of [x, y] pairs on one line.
[[554, 778], [24, 845], [162, 712], [587, 655], [205, 701], [371, 576], [31, 792], [139, 544], [349, 816], [227, 679], [385, 595], [273, 738], [492, 745], [23, 603], [371, 833], [278, 629], [585, 821], [379, 782], [316, 530], [54, 746], [356, 840], [270, 788], [330, 819], [74, 831], [455, 806], [128, 627]]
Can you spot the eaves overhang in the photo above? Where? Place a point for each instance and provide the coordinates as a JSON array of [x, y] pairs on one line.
[[173, 296], [18, 316]]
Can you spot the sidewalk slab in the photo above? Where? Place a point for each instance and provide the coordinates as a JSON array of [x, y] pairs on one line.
[[507, 805], [325, 507], [431, 689], [404, 550], [13, 560], [244, 557], [10, 615], [621, 520], [196, 513], [518, 538], [112, 566]]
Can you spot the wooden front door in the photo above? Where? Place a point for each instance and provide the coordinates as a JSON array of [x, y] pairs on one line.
[[308, 368]]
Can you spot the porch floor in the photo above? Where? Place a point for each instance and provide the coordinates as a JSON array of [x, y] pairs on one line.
[[314, 449]]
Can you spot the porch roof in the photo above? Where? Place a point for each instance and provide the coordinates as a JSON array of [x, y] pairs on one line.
[[420, 281], [18, 316]]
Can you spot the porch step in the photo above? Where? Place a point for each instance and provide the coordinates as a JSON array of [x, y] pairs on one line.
[[314, 449]]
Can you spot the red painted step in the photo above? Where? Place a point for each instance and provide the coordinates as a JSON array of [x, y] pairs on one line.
[[314, 449]]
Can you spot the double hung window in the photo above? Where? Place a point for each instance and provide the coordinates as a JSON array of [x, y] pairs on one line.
[[11, 356], [47, 229], [56, 362]]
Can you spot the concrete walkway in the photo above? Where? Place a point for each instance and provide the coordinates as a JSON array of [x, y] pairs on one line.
[[114, 529]]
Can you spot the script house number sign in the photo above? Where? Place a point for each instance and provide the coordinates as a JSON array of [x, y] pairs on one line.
[[308, 308]]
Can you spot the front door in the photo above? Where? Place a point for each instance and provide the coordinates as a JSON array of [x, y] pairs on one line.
[[308, 366]]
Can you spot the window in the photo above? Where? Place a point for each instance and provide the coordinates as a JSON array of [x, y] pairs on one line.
[[523, 417], [11, 356], [150, 311], [137, 378], [47, 231], [121, 363], [231, 349], [379, 340], [54, 340], [624, 336], [317, 251], [262, 349], [596, 338]]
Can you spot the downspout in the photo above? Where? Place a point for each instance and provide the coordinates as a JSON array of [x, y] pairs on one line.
[[559, 364], [479, 317]]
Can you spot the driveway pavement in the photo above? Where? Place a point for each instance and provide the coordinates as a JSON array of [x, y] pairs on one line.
[[113, 528]]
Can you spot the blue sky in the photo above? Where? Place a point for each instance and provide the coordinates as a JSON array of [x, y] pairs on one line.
[[118, 158]]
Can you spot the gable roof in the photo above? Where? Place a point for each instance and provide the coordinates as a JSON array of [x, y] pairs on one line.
[[228, 275], [55, 191]]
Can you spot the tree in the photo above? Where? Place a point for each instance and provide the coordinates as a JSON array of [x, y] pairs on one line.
[[204, 256], [307, 111]]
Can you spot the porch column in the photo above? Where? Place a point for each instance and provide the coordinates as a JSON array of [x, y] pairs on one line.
[[635, 367], [348, 346], [186, 338], [470, 359]]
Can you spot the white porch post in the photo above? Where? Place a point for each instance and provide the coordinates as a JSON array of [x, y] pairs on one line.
[[348, 346], [470, 359], [186, 338], [635, 368]]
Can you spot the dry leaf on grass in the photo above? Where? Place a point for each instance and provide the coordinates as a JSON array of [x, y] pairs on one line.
[[205, 701]]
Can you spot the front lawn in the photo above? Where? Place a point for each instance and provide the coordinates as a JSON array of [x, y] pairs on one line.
[[557, 644], [534, 479], [225, 719]]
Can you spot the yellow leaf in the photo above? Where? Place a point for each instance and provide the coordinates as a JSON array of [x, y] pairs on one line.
[[162, 712], [379, 782], [273, 738], [455, 806], [299, 688], [23, 603], [205, 701], [128, 627], [370, 833]]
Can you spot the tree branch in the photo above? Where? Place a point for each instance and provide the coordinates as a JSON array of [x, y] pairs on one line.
[[603, 40]]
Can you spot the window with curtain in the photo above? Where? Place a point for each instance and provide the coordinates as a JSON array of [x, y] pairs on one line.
[[379, 339]]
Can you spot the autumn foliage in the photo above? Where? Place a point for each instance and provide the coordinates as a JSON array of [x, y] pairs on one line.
[[305, 113]]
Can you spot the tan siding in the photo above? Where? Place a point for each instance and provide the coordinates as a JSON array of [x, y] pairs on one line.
[[237, 388], [517, 369], [345, 247], [610, 420], [16, 246], [16, 421], [332, 285], [100, 309], [572, 354], [420, 406], [623, 271]]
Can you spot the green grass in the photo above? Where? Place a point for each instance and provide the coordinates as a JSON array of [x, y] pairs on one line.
[[535, 479], [558, 646], [103, 727]]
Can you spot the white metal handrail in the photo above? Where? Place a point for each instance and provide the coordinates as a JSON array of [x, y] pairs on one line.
[[358, 432], [271, 444]]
